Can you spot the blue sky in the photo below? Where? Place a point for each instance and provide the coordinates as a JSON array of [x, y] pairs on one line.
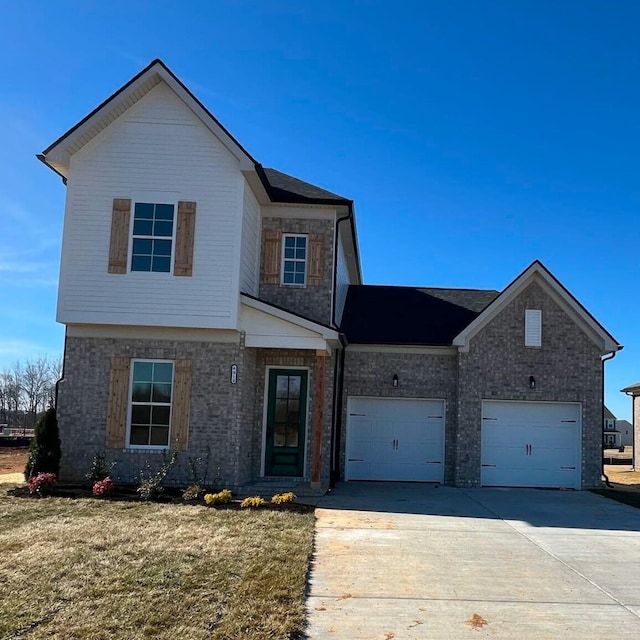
[[475, 136]]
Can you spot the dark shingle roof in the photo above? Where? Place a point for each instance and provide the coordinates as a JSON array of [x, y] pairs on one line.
[[410, 315], [285, 188]]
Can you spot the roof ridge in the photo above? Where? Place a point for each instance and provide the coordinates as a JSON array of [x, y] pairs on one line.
[[418, 287]]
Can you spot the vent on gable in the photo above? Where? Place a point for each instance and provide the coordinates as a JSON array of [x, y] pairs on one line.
[[533, 328]]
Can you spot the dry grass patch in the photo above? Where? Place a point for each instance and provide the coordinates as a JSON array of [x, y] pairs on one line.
[[98, 569]]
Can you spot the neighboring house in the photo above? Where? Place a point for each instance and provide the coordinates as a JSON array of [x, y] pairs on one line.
[[213, 304], [610, 435], [626, 432], [634, 391]]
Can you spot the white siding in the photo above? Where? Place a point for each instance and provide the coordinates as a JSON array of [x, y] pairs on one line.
[[251, 225], [342, 280], [156, 146]]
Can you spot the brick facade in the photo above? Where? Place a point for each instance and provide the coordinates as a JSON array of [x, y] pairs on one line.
[[226, 418], [419, 376], [312, 301], [567, 368]]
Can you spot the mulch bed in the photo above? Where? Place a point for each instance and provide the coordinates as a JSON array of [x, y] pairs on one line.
[[128, 493], [631, 498]]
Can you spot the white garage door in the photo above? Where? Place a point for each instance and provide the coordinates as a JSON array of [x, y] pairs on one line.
[[394, 439], [531, 444]]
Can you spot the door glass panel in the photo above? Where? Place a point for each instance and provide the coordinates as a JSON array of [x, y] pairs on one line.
[[281, 410], [294, 386], [293, 413], [292, 435], [280, 435], [282, 386]]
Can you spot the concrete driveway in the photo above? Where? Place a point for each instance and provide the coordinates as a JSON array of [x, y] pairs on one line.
[[405, 561]]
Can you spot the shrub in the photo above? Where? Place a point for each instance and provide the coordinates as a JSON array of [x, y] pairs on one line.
[[252, 502], [198, 468], [103, 487], [150, 486], [100, 468], [44, 450], [222, 497], [283, 498], [192, 492], [42, 483]]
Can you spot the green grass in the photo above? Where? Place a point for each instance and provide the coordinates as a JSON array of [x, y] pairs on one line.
[[96, 569]]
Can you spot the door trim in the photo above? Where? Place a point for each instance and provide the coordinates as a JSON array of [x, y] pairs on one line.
[[265, 408], [369, 397]]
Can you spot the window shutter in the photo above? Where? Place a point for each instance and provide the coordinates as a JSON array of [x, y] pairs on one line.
[[185, 233], [316, 246], [118, 402], [271, 257], [181, 405], [533, 328], [119, 246]]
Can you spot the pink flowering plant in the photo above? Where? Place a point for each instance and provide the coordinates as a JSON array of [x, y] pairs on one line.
[[42, 483], [103, 487]]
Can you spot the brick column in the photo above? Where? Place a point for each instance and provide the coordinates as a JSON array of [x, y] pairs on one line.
[[318, 413]]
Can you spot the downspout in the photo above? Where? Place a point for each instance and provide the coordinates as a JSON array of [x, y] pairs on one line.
[[61, 378], [338, 379], [633, 427], [611, 356]]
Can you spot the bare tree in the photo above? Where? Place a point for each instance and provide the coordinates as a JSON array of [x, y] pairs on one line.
[[36, 381]]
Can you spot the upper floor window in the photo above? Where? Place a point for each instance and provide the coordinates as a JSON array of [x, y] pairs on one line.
[[533, 328], [152, 237], [609, 423], [150, 403], [294, 259]]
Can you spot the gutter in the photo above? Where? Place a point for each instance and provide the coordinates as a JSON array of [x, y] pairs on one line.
[[610, 356]]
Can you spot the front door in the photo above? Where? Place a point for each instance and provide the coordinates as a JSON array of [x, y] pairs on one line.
[[286, 420]]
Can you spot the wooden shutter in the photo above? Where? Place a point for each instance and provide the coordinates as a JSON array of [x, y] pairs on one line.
[[316, 247], [181, 406], [118, 402], [185, 233], [271, 256], [119, 246]]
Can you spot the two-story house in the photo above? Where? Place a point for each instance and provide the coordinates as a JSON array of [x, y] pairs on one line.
[[213, 304]]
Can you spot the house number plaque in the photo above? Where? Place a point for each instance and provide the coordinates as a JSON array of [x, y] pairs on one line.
[[234, 373]]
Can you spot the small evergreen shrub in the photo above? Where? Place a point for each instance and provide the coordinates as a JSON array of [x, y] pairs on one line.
[[283, 498], [252, 502], [100, 468], [42, 483], [103, 487], [44, 450], [223, 497]]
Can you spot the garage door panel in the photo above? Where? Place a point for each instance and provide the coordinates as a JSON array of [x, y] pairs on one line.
[[393, 439], [530, 444]]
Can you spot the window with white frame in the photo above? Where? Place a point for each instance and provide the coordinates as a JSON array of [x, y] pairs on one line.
[[609, 423], [533, 328], [150, 403], [294, 259], [152, 237]]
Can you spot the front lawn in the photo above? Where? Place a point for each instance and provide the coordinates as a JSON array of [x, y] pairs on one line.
[[97, 569]]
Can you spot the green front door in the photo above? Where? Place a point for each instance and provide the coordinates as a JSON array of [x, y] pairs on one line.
[[286, 420]]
